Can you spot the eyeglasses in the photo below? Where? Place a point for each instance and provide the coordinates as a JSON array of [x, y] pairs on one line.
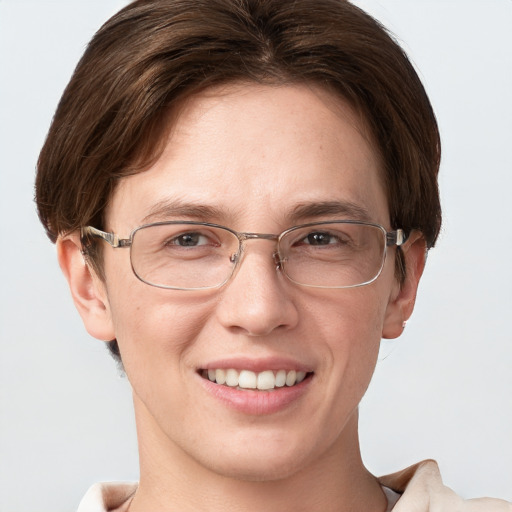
[[182, 255]]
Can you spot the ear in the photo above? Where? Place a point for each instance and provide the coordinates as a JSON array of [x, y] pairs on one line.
[[401, 303], [87, 289]]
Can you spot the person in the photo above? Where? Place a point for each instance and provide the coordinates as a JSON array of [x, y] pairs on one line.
[[242, 194]]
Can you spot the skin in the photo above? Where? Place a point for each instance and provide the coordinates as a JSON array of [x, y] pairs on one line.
[[253, 153]]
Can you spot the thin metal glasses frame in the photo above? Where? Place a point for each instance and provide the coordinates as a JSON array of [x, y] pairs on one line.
[[393, 238]]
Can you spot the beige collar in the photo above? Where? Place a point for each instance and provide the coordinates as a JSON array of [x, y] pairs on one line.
[[423, 491]]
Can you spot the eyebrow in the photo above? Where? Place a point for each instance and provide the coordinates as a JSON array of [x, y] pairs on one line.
[[171, 209], [344, 209], [168, 208]]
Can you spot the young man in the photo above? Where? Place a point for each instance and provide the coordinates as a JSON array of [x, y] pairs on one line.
[[242, 194]]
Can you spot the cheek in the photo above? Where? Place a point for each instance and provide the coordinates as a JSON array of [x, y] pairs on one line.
[[350, 317], [350, 324], [155, 339], [367, 325], [155, 328]]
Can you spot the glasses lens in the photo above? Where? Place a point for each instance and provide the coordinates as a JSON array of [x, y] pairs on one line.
[[183, 256], [333, 255]]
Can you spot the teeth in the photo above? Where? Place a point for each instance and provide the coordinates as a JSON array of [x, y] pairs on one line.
[[246, 379], [232, 378], [280, 378], [291, 377], [266, 380], [220, 376]]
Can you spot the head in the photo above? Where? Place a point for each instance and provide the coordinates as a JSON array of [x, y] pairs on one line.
[[115, 114], [158, 70]]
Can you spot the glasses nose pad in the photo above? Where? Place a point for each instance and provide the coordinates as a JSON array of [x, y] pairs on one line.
[[278, 260]]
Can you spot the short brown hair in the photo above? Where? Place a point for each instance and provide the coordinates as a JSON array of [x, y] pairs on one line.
[[153, 53], [111, 120]]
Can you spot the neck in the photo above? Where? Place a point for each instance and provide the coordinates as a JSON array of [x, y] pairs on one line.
[[170, 479]]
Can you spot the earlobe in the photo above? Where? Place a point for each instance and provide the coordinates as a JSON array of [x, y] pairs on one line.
[[401, 304], [87, 290]]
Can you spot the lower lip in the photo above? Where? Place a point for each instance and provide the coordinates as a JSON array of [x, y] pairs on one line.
[[257, 402]]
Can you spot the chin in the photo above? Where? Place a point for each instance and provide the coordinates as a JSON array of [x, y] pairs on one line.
[[258, 470], [260, 461]]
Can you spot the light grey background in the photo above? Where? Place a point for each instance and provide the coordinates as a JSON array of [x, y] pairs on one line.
[[444, 392]]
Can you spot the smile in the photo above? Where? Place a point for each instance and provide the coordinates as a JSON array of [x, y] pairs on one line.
[[266, 380]]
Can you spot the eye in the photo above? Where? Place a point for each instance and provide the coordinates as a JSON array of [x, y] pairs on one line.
[[191, 239], [320, 238]]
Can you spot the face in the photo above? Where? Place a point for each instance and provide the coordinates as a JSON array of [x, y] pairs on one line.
[[255, 159]]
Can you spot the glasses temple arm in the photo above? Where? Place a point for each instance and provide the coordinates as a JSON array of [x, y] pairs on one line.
[[398, 237], [111, 238]]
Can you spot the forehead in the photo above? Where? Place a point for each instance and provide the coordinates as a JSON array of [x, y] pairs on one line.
[[238, 153]]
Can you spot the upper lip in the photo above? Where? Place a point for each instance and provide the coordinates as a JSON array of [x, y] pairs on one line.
[[257, 364]]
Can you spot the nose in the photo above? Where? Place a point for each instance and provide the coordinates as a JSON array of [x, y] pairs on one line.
[[258, 299]]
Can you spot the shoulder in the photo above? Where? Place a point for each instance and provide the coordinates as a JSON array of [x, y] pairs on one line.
[[422, 490]]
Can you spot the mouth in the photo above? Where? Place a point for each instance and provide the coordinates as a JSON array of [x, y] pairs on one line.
[[266, 380]]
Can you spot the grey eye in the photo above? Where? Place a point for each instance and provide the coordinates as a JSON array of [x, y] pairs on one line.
[[320, 238], [192, 239]]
